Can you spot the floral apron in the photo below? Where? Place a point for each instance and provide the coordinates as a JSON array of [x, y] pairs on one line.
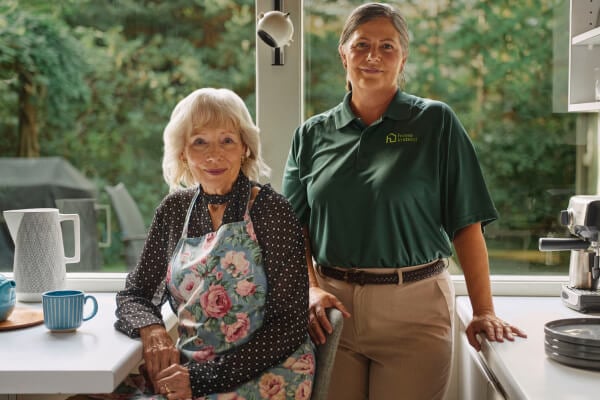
[[219, 284]]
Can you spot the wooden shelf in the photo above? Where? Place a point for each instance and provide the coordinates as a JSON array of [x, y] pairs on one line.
[[588, 38], [585, 107], [584, 55]]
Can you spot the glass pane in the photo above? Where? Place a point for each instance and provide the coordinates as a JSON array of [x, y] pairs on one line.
[[86, 89], [493, 63]]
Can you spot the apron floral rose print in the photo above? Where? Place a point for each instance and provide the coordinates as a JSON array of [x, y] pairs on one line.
[[219, 283], [220, 286], [291, 380]]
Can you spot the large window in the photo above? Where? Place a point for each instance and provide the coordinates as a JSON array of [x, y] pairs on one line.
[[90, 84]]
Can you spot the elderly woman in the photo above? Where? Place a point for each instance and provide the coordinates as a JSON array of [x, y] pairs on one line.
[[230, 253]]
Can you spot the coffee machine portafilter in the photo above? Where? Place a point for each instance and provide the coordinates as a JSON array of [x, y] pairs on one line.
[[582, 218]]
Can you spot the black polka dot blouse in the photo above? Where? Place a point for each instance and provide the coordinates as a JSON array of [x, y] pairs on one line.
[[286, 309]]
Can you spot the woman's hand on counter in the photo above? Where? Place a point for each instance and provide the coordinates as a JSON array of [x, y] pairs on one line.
[[494, 329]]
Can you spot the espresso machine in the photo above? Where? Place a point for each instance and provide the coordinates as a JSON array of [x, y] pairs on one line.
[[582, 218]]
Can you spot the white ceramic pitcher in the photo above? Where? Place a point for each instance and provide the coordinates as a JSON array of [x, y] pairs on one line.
[[39, 263]]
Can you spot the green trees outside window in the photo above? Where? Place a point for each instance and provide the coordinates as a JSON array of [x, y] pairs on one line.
[[93, 81]]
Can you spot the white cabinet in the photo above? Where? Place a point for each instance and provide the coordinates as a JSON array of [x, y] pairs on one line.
[[584, 55], [520, 369], [475, 380]]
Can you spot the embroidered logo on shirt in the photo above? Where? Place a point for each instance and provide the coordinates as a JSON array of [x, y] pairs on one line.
[[400, 138]]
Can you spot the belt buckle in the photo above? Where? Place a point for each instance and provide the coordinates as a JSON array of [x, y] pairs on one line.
[[357, 275]]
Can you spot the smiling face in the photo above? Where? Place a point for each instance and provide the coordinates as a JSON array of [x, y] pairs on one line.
[[214, 157], [373, 56]]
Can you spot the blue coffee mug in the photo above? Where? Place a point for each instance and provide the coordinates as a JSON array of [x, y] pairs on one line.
[[63, 309]]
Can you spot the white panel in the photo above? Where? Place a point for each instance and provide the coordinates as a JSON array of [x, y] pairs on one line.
[[279, 91], [475, 382]]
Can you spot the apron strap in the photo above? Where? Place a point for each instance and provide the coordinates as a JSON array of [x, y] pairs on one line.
[[247, 212], [189, 213]]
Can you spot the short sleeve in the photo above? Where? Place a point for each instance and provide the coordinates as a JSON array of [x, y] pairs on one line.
[[292, 186], [465, 196]]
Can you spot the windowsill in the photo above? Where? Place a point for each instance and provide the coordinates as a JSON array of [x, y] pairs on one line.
[[518, 285], [502, 285], [92, 281]]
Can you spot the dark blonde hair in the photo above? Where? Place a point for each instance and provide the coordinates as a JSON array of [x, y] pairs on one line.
[[368, 12]]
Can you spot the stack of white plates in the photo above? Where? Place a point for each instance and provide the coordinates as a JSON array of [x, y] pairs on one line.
[[574, 342]]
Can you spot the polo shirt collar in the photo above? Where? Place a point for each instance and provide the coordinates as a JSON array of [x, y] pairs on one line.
[[399, 109]]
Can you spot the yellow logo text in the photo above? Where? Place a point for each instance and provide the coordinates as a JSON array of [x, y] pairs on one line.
[[400, 138]]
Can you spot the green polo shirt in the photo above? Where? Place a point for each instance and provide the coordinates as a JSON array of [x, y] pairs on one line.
[[391, 194]]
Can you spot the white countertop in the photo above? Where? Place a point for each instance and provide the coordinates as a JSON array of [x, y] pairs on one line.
[[522, 367], [93, 359]]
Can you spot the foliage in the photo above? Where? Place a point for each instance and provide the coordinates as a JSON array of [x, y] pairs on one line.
[[509, 114], [39, 56], [114, 70], [140, 70]]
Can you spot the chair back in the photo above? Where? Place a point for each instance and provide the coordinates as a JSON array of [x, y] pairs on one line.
[[133, 229], [326, 356]]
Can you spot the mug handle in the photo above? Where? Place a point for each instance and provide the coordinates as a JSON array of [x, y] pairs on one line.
[[85, 299]]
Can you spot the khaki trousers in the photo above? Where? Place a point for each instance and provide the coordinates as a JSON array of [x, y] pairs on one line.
[[398, 342]]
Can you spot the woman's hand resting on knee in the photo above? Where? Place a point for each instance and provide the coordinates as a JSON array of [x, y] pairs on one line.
[[159, 352], [174, 382]]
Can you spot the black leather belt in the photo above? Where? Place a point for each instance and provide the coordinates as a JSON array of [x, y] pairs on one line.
[[367, 278]]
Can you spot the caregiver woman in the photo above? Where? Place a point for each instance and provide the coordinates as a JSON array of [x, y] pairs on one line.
[[384, 184]]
